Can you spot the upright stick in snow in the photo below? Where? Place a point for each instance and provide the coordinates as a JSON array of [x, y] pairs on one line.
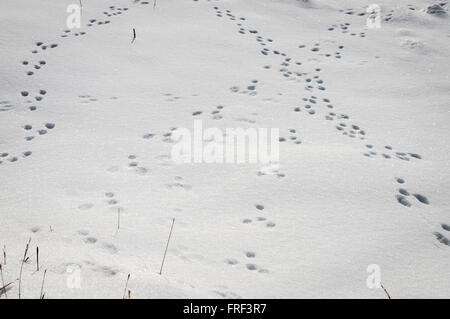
[[389, 297], [126, 286], [24, 260], [37, 258], [134, 35], [167, 246], [41, 296]]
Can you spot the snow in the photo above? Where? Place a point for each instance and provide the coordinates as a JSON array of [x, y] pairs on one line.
[[307, 229]]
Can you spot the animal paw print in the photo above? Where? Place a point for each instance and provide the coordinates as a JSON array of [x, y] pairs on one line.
[[271, 168], [178, 184], [171, 97], [350, 130], [38, 97], [249, 263], [167, 137], [36, 66], [250, 89], [42, 46], [111, 200], [134, 165], [41, 131], [7, 158], [442, 238], [217, 113], [404, 194], [86, 98], [91, 240], [293, 137], [259, 219]]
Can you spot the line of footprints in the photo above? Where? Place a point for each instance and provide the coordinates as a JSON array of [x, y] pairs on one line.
[[39, 47], [311, 104], [250, 255]]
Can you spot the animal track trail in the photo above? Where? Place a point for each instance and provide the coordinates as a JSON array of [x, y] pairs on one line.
[[41, 46], [313, 82], [388, 152], [316, 101], [31, 68], [6, 157], [267, 49]]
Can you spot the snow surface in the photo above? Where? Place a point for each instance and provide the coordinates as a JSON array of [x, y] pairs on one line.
[[95, 145]]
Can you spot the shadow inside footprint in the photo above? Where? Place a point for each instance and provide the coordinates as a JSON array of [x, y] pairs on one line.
[[421, 199], [402, 200]]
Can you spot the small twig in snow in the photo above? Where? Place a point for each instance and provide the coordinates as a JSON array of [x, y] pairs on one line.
[[126, 286], [24, 260], [41, 296], [37, 258], [167, 246], [389, 297], [3, 281], [134, 35]]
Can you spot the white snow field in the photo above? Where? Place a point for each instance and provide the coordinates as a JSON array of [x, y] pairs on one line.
[[363, 179]]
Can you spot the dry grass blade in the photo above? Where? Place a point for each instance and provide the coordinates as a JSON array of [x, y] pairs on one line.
[[6, 286], [37, 258], [167, 246], [387, 294], [3, 281], [24, 260], [41, 296], [126, 286]]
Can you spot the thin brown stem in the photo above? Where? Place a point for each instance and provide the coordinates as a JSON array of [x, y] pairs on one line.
[[5, 286], [167, 246], [3, 281], [37, 258], [126, 286], [41, 296], [387, 294], [25, 258]]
